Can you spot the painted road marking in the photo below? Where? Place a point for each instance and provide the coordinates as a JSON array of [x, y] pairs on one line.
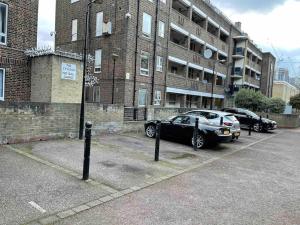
[[36, 206]]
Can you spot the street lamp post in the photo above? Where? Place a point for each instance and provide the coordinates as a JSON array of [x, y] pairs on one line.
[[214, 80], [86, 35], [114, 56]]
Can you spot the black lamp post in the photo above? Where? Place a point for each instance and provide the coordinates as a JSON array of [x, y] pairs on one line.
[[86, 37], [114, 56], [213, 82]]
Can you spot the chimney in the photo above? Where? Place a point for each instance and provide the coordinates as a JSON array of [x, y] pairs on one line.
[[238, 25]]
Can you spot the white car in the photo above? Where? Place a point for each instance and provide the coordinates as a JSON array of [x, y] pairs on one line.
[[214, 117]]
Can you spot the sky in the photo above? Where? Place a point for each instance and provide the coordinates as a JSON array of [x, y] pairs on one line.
[[271, 24]]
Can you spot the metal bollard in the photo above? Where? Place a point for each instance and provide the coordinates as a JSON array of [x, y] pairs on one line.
[[87, 150], [221, 121], [250, 125], [195, 133], [260, 123], [157, 141]]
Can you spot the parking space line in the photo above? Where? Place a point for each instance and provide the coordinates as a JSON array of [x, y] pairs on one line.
[[63, 170], [70, 212], [37, 207]]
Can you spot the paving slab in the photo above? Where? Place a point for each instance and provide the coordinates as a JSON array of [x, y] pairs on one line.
[[24, 180], [259, 185]]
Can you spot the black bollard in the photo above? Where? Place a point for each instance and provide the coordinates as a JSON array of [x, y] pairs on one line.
[[222, 121], [195, 133], [157, 141], [87, 150], [250, 125], [260, 123]]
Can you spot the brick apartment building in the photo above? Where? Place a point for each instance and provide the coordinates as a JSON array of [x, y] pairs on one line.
[[151, 52], [18, 31]]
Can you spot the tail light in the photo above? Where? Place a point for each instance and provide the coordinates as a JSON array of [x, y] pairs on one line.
[[227, 124]]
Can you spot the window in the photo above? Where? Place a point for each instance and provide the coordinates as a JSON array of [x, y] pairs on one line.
[[161, 29], [2, 84], [142, 97], [163, 1], [99, 24], [157, 98], [172, 99], [72, 1], [98, 59], [3, 23], [159, 63], [147, 23], [74, 30], [219, 81], [145, 64]]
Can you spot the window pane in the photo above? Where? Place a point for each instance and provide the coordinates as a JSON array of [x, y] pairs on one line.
[[142, 97], [1, 83], [99, 24], [161, 29], [147, 21], [74, 30], [3, 22], [98, 58]]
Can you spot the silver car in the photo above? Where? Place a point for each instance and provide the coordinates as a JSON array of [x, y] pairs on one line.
[[214, 117]]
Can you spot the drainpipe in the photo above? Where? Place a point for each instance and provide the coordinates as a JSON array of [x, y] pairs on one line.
[[136, 51], [167, 54], [154, 53]]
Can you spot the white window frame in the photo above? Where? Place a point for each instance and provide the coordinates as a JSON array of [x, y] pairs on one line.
[[144, 71], [147, 32], [159, 63], [142, 91], [98, 61], [157, 97], [74, 30], [161, 29], [6, 24], [99, 24], [3, 84]]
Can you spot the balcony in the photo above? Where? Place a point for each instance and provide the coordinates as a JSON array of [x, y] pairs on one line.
[[237, 72], [239, 53], [176, 81], [198, 31], [181, 7]]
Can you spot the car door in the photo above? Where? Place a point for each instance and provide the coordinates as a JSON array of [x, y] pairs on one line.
[[181, 127], [243, 118]]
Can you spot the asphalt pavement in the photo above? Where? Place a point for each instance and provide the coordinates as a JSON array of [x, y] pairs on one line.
[[255, 180]]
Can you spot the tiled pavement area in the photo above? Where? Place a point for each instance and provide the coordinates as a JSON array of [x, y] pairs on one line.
[[49, 173]]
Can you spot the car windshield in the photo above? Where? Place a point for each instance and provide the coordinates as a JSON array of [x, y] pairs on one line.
[[202, 120], [251, 113], [231, 118]]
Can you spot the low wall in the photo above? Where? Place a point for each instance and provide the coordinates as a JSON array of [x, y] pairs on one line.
[[23, 122], [283, 121]]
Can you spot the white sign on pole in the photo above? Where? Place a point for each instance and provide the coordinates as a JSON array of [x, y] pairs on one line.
[[68, 71]]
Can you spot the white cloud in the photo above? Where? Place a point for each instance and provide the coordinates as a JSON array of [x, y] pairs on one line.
[[46, 22], [278, 26]]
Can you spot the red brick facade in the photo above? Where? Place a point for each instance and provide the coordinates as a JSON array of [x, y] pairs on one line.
[[21, 35]]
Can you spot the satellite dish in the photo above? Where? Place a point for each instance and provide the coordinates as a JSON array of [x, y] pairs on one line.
[[208, 53]]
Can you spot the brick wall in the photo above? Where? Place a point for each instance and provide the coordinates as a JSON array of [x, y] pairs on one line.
[[22, 34], [22, 122]]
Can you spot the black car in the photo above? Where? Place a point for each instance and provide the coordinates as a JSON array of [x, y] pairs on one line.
[[181, 128], [248, 118]]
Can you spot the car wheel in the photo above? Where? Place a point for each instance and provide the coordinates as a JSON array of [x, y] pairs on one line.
[[200, 141], [256, 127], [150, 131]]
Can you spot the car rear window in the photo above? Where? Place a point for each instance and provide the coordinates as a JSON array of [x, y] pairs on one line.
[[231, 117]]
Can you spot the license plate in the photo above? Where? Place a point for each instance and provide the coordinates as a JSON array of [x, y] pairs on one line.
[[226, 132], [236, 134]]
